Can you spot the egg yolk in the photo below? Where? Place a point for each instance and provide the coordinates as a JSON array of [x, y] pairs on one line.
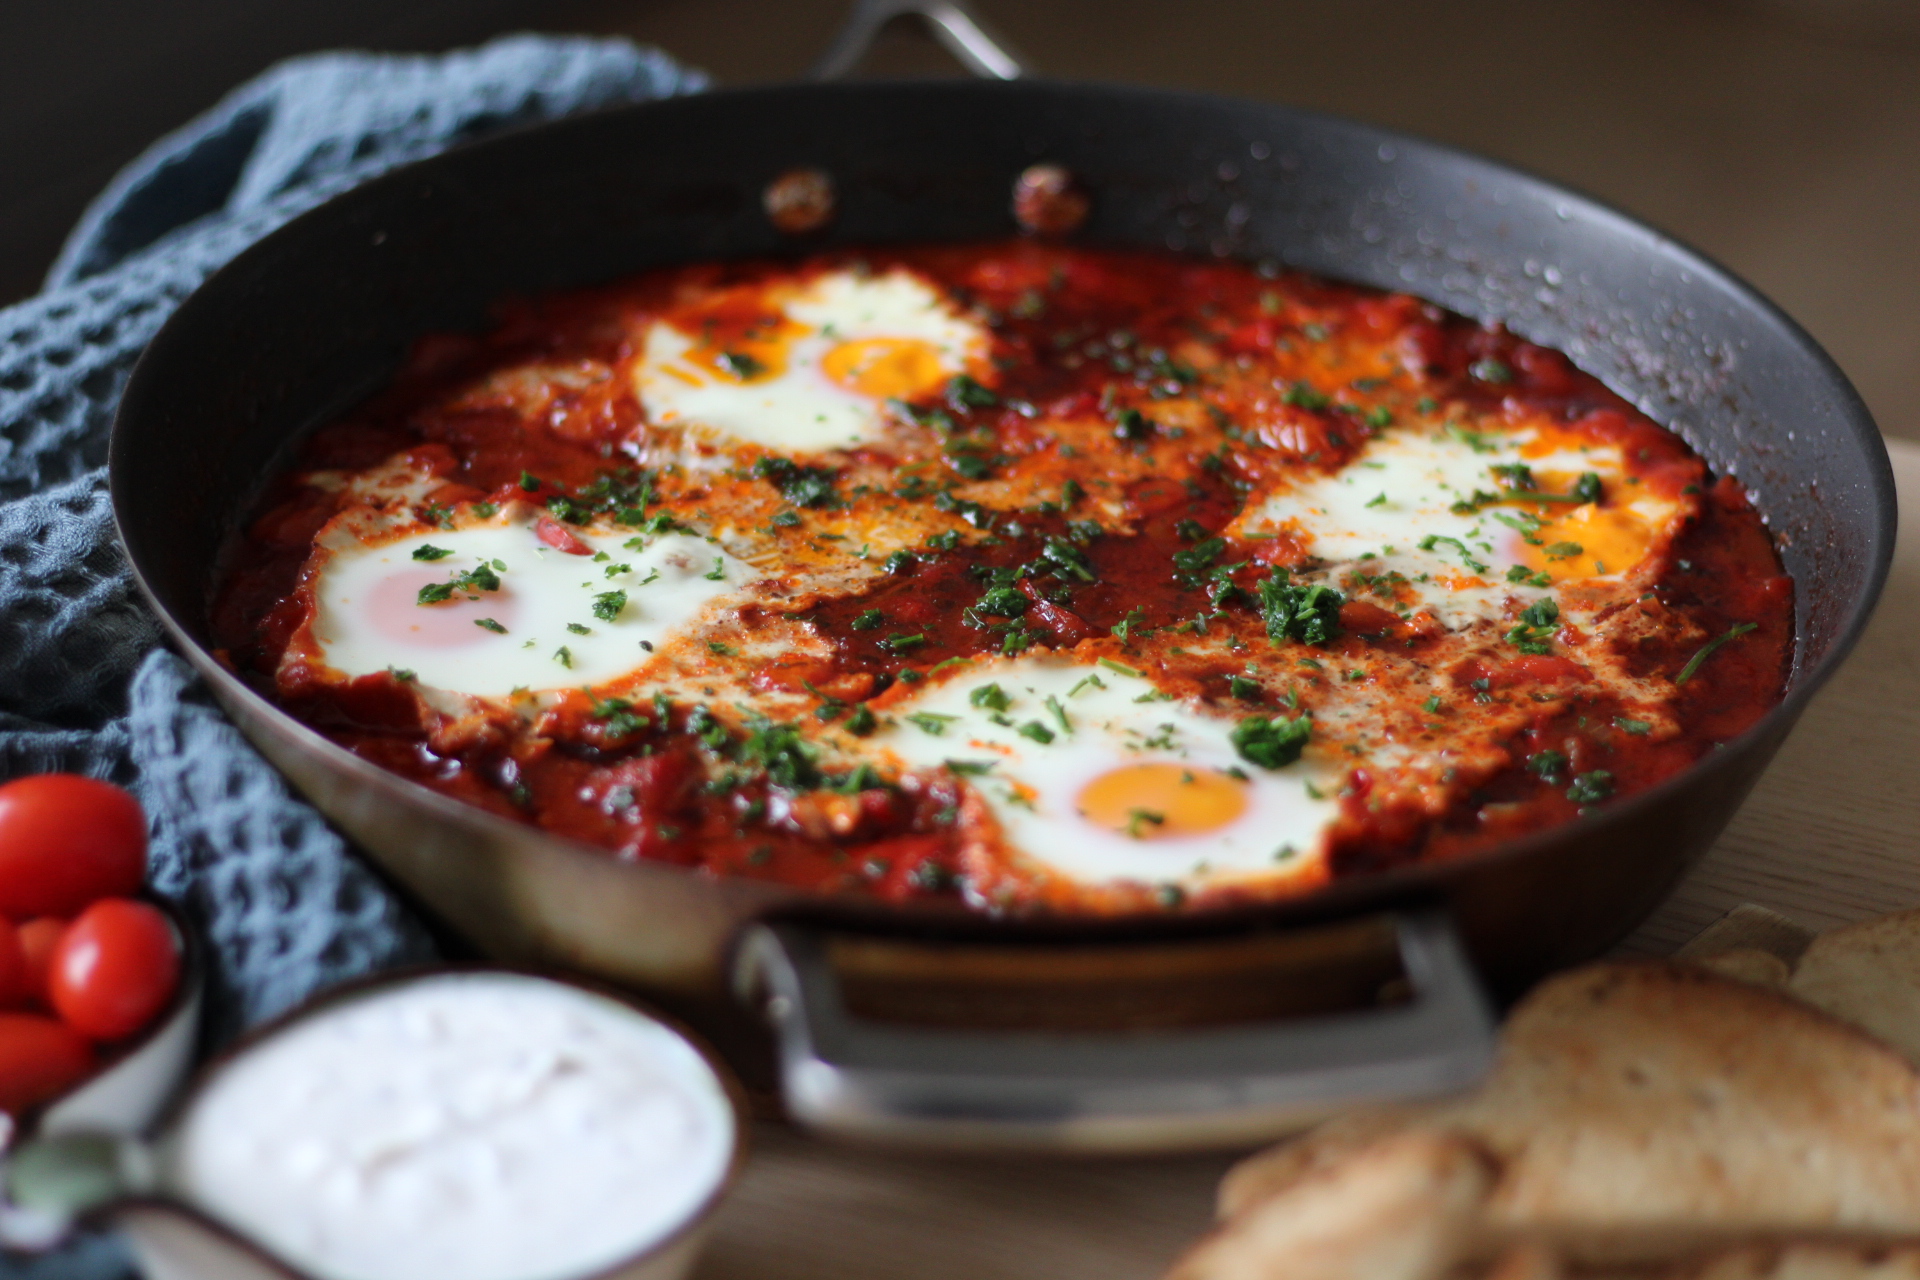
[[883, 368], [1160, 801], [1588, 542]]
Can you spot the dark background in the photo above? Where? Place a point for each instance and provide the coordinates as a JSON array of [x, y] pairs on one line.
[[1780, 136]]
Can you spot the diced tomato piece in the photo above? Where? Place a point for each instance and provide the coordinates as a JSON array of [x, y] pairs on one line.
[[559, 537], [1366, 618], [1545, 371], [1066, 625], [912, 609], [1536, 668]]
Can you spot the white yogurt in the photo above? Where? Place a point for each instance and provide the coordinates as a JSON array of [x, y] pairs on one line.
[[481, 1126]]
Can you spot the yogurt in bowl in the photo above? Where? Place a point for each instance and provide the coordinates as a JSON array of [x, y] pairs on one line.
[[462, 1125]]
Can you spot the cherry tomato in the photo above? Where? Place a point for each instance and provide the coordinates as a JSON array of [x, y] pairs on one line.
[[114, 968], [66, 840], [16, 984], [39, 1060], [38, 937]]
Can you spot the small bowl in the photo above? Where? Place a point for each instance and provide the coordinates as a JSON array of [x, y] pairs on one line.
[[175, 1240], [132, 1087]]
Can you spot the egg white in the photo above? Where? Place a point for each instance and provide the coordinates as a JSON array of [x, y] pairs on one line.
[[1375, 513], [800, 408], [368, 618], [1113, 720]]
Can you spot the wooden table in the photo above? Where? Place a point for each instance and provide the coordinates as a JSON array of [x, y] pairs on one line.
[[1831, 834]]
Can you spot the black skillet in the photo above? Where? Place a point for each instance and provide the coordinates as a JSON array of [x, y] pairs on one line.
[[318, 315]]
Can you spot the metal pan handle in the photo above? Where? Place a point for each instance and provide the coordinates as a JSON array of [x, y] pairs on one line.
[[952, 23], [1126, 1089]]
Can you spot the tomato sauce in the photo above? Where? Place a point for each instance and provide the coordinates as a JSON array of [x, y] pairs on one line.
[[1140, 404]]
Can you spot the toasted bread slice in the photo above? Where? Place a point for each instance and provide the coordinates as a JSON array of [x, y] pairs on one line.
[[1868, 974], [1808, 1261], [1403, 1208], [1643, 1112]]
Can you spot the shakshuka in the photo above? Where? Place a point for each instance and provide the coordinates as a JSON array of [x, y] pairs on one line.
[[1048, 578]]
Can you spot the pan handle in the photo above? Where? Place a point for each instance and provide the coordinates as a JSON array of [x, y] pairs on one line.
[[1136, 1088], [952, 22]]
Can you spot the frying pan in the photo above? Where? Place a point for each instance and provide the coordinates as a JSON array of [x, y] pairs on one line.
[[945, 1027]]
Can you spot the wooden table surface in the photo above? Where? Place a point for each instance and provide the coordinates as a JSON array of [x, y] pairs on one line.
[[1830, 835]]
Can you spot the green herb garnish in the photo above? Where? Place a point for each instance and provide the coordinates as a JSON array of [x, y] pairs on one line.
[[1272, 743], [1706, 650]]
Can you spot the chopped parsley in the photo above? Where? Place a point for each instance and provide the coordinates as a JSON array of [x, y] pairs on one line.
[[1638, 728], [1524, 576], [782, 753], [1131, 424], [1706, 650], [1037, 731], [1065, 560], [619, 717], [1002, 602], [931, 722], [579, 630], [1433, 540], [1271, 743], [1538, 622], [899, 642], [990, 697], [1059, 712], [1308, 614], [868, 621], [802, 486], [741, 365], [1548, 764], [1244, 689], [1302, 395], [964, 393], [490, 625], [1591, 788], [719, 571], [608, 604], [426, 551], [480, 578]]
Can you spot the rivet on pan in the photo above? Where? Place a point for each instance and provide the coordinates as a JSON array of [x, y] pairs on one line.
[[799, 201], [1048, 202]]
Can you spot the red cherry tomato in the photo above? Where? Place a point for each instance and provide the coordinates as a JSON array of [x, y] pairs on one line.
[[16, 984], [38, 938], [40, 1059], [66, 840], [114, 969]]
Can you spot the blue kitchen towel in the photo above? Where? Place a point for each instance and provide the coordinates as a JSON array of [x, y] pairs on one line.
[[85, 684]]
